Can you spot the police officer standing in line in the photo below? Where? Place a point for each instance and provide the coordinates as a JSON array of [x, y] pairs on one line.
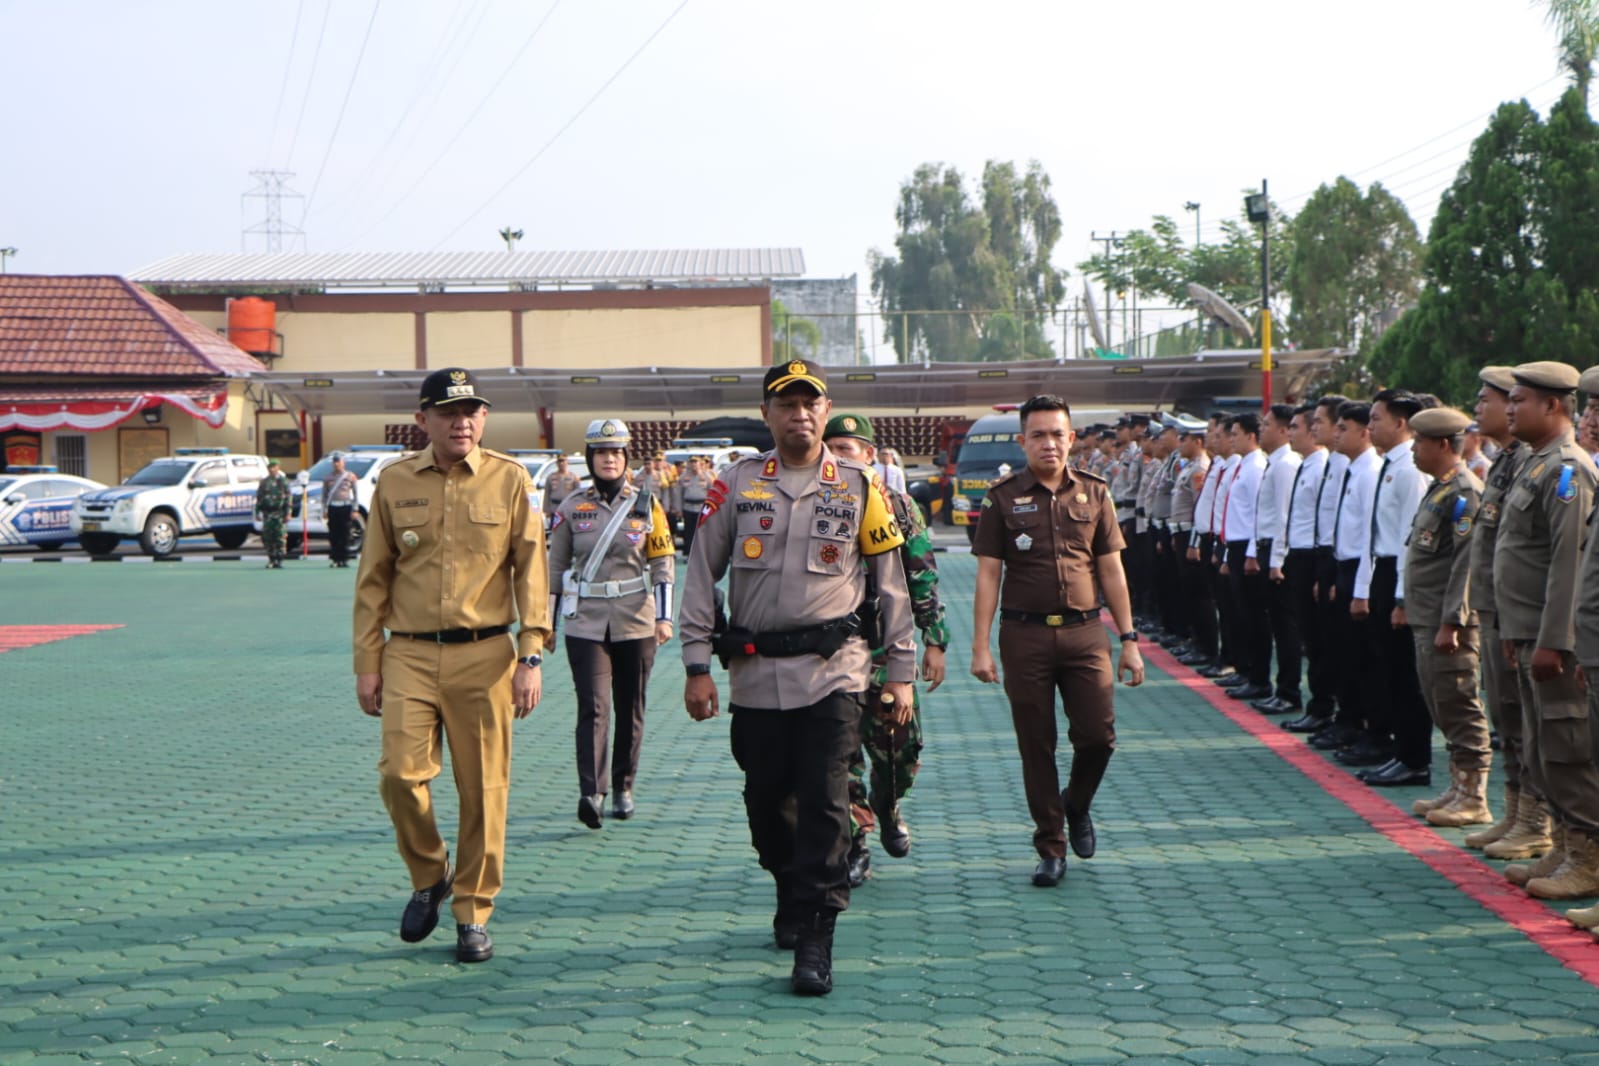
[[1543, 528], [796, 525], [894, 750], [1325, 624], [1245, 585], [1124, 492], [1163, 564], [338, 504], [272, 508], [617, 608], [1442, 622], [1048, 547], [1268, 552], [1208, 514], [454, 555], [561, 483], [1189, 523], [1498, 677], [693, 488]]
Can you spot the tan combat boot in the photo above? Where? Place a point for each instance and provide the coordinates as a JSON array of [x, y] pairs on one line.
[[1520, 873], [1585, 918], [1578, 876], [1529, 837], [1483, 837], [1470, 805], [1422, 806]]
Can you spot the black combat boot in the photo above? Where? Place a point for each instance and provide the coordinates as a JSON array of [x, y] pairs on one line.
[[860, 861], [813, 955]]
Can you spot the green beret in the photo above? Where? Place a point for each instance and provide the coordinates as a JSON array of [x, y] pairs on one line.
[[850, 425]]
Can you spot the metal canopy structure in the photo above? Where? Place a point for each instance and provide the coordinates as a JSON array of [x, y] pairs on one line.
[[1193, 383]]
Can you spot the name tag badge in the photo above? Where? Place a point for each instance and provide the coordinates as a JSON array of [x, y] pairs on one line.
[[1023, 542], [1024, 508]]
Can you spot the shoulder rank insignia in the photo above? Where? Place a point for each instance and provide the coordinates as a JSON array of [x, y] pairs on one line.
[[829, 471], [770, 469]]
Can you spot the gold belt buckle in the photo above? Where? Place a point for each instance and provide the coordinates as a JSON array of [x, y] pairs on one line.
[[1054, 620]]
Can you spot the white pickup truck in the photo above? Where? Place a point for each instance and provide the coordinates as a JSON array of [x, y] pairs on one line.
[[193, 490]]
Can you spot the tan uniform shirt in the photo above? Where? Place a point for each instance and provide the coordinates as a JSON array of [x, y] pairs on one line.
[[1438, 554], [1049, 542], [1185, 491], [795, 559], [1506, 465], [456, 550], [559, 486], [641, 549], [692, 489], [1542, 531], [1124, 480]]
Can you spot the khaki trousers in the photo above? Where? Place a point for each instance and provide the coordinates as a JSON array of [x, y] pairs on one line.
[[459, 693], [1559, 743], [1504, 699], [1449, 685]]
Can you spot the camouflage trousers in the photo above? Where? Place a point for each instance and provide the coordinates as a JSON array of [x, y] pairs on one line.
[[272, 536], [895, 754]]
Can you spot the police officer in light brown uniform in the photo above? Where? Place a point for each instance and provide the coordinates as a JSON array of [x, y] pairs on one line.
[[1542, 532], [561, 483], [794, 527], [617, 610], [454, 555], [1048, 547], [1442, 622]]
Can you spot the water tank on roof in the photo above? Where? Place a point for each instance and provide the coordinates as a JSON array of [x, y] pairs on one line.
[[252, 324]]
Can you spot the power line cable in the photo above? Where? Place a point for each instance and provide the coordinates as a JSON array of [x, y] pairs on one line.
[[523, 169], [345, 103], [283, 89], [310, 80]]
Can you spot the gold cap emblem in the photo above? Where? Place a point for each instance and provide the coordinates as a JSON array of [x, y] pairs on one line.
[[850, 424], [458, 377], [796, 367]]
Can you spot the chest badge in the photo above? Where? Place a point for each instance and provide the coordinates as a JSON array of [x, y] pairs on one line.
[[830, 554], [410, 539], [766, 521], [1081, 497], [1023, 542], [753, 547]]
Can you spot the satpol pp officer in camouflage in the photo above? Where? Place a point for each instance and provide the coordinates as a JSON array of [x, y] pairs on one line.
[[272, 508], [1442, 623], [612, 564], [800, 530], [894, 750]]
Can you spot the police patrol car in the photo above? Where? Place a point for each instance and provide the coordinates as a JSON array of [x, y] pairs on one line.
[[36, 506], [365, 461], [722, 450], [194, 490], [540, 463]]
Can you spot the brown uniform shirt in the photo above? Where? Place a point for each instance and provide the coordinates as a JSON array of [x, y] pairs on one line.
[[1501, 475], [456, 550], [795, 557], [1542, 531], [559, 486], [1438, 553], [641, 549], [1049, 542]]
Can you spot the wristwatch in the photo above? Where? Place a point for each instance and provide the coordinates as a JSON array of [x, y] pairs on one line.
[[1130, 637], [697, 669], [531, 660]]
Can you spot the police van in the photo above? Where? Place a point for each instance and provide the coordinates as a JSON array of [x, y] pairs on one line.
[[36, 506], [307, 516], [993, 447], [193, 490]]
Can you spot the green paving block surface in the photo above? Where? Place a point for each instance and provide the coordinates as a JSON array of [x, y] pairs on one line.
[[202, 871]]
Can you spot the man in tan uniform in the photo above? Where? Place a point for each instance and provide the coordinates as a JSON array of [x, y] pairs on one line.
[[561, 483], [1498, 679], [1442, 623], [693, 488], [1048, 546], [1542, 533], [794, 526], [453, 556]]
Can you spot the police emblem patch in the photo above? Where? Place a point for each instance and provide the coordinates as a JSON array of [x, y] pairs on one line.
[[829, 554], [1023, 542], [766, 521], [410, 539], [823, 525], [583, 527], [1463, 526], [796, 367], [753, 547]]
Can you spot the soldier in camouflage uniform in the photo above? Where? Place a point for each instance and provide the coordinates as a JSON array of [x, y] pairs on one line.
[[272, 508], [894, 751]]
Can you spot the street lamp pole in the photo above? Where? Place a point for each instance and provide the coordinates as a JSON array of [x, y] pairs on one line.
[[1259, 208], [1193, 205], [5, 253]]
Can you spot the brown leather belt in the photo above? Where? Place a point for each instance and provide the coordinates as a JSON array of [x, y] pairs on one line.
[[456, 636], [1054, 620]]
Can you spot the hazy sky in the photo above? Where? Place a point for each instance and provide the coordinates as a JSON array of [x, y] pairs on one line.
[[129, 129]]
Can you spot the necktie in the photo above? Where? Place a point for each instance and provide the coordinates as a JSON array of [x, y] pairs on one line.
[[1321, 488], [1375, 497], [1288, 515], [1338, 516], [1239, 469]]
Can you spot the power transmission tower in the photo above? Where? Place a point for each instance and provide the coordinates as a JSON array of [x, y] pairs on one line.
[[272, 188]]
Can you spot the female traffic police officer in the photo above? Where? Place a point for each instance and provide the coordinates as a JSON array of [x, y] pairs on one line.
[[611, 568]]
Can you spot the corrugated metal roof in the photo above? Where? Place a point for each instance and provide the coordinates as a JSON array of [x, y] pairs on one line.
[[323, 270]]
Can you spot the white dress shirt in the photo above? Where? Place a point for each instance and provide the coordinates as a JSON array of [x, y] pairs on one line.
[[1301, 530], [1224, 488], [1205, 506], [1353, 539], [1242, 493], [1271, 503], [892, 476], [1327, 496], [1397, 494]]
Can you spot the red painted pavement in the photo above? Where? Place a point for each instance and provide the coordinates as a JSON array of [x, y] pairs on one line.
[[1575, 949], [13, 637]]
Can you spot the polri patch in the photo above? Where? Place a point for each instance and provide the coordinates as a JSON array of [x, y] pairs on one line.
[[1023, 542], [753, 548]]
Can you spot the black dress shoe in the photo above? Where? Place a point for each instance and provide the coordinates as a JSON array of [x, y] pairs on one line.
[[1232, 680], [472, 944], [1361, 775], [622, 807], [591, 810], [1335, 736], [1307, 723], [1397, 774], [860, 862], [1080, 831], [422, 913], [1214, 672], [1363, 753], [1050, 871], [1250, 693], [1194, 658], [1275, 705]]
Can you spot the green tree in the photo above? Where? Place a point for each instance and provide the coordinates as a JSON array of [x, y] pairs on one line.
[[1565, 323], [1576, 22], [971, 280], [1356, 261], [793, 337]]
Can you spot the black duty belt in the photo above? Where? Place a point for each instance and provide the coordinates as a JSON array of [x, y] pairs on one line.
[[1125, 503], [1054, 620], [824, 640], [456, 636]]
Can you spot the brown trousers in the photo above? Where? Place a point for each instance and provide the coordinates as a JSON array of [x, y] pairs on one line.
[[1558, 741], [1039, 661], [1503, 699], [1449, 685], [460, 693]]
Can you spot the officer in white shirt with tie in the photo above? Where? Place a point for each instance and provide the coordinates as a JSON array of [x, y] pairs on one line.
[[1294, 559], [1246, 590], [1323, 696], [1400, 709], [1268, 552], [1225, 465]]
